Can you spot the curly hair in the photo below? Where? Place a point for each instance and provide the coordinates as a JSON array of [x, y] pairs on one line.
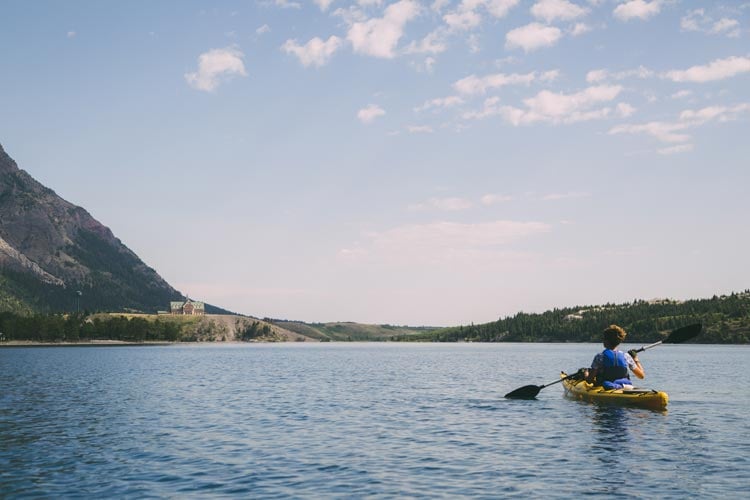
[[613, 336]]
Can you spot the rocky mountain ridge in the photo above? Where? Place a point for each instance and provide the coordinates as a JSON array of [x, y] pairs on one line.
[[51, 249]]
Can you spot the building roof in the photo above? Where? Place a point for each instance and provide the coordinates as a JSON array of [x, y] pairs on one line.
[[180, 305]]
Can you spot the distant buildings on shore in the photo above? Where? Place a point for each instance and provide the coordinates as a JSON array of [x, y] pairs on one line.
[[187, 308]]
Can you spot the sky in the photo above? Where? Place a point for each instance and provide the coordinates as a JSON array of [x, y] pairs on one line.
[[408, 162]]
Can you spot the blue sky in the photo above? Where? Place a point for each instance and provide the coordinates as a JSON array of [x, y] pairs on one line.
[[404, 162]]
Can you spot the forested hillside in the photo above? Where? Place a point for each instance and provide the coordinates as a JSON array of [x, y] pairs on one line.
[[84, 327], [725, 319]]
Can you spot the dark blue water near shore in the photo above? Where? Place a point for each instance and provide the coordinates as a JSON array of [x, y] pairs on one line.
[[362, 420]]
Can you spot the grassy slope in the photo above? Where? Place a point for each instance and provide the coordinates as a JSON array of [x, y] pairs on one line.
[[345, 331], [218, 326]]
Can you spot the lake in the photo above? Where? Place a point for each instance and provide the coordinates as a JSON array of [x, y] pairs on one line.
[[349, 420]]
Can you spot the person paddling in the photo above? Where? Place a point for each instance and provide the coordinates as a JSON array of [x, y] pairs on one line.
[[610, 367]]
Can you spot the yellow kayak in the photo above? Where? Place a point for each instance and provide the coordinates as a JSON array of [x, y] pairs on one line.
[[641, 398]]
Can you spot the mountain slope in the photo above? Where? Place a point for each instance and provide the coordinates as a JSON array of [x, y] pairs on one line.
[[51, 249]]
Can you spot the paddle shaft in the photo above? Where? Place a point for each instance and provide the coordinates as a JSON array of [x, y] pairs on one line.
[[557, 381], [677, 336], [649, 346]]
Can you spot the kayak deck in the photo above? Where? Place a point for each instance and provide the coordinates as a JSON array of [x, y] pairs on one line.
[[641, 398]]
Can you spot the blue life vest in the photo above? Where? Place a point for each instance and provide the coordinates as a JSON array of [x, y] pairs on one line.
[[615, 368]]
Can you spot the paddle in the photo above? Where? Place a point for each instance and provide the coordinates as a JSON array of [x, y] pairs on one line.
[[677, 336], [530, 391]]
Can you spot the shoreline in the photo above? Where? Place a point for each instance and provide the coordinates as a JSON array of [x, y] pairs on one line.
[[125, 343], [90, 343]]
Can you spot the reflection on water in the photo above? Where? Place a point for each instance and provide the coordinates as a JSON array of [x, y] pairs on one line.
[[611, 426]]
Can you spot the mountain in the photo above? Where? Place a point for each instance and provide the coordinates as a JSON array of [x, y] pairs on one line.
[[54, 256]]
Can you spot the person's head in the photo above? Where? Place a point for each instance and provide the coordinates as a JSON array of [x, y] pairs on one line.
[[613, 336]]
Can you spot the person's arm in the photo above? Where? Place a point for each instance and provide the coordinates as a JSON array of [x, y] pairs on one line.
[[636, 367], [594, 370]]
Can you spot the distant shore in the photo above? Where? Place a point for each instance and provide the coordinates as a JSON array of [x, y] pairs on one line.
[[88, 343]]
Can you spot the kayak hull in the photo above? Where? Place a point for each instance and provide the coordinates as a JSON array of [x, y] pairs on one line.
[[640, 398]]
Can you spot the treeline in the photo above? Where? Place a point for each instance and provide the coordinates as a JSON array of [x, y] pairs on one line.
[[252, 330], [79, 327], [725, 319], [85, 327]]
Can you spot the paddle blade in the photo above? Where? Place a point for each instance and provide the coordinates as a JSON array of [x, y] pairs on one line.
[[683, 334], [525, 392]]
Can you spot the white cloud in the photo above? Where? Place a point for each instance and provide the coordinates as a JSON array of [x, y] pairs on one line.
[[493, 199], [711, 113], [450, 240], [697, 20], [419, 129], [379, 37], [474, 85], [558, 106], [580, 29], [676, 132], [473, 42], [490, 108], [637, 9], [443, 204], [600, 75], [440, 102], [350, 15], [263, 29], [719, 69], [680, 148], [551, 107], [462, 21], [726, 26], [625, 110], [287, 4], [438, 5], [692, 20], [549, 76], [433, 43], [662, 131], [554, 10], [532, 37], [425, 66], [71, 34], [370, 113], [324, 4], [596, 76], [429, 64], [499, 8], [316, 52], [681, 94], [466, 15], [216, 66]]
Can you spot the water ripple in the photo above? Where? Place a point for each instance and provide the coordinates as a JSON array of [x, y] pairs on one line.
[[355, 420]]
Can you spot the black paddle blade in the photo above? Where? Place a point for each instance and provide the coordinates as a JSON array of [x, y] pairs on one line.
[[683, 334], [525, 392]]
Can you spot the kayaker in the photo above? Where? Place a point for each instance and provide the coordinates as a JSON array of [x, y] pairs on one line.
[[610, 367]]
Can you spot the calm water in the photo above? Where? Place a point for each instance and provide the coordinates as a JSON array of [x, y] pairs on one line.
[[362, 420]]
